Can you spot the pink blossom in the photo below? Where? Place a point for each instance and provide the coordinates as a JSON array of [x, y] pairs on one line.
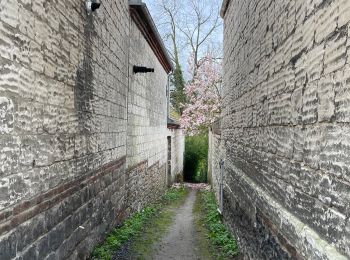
[[202, 92]]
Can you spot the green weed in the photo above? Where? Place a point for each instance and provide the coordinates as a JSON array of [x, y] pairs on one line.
[[217, 232], [173, 195], [133, 226]]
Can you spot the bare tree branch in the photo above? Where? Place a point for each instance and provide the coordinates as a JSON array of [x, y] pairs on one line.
[[189, 26]]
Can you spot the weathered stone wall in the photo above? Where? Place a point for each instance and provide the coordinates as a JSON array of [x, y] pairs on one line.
[[285, 127], [63, 88], [145, 184], [147, 105], [147, 124], [214, 157], [65, 172], [63, 110], [177, 154]]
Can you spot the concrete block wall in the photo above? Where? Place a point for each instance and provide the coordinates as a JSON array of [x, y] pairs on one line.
[[66, 175], [285, 127]]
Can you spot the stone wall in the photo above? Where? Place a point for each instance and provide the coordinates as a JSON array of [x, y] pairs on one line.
[[145, 184], [177, 154], [63, 110], [285, 127], [147, 124], [214, 157], [66, 175], [147, 105]]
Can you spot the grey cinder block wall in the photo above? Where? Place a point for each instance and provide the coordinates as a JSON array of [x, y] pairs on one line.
[[83, 140], [285, 127]]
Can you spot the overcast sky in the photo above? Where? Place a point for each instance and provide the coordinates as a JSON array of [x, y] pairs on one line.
[[185, 52]]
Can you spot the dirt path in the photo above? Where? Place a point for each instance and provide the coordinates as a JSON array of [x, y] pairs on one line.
[[174, 234], [180, 241]]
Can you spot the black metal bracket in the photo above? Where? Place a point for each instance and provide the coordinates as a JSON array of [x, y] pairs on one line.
[[92, 5], [95, 6], [138, 69]]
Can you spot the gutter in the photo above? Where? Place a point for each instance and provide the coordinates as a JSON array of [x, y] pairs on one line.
[[168, 94], [221, 188], [224, 6]]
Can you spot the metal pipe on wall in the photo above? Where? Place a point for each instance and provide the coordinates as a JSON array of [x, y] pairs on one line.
[[221, 200]]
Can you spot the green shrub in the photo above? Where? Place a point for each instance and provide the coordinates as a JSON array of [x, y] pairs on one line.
[[196, 158]]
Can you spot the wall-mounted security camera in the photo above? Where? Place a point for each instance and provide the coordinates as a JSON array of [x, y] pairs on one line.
[[138, 69], [92, 5]]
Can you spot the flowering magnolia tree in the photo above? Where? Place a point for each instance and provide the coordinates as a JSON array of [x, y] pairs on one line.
[[203, 107]]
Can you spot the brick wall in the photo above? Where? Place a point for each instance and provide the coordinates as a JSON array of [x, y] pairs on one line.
[[285, 127], [66, 175]]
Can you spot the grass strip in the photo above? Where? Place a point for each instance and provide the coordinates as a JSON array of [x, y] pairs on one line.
[[219, 236], [133, 226]]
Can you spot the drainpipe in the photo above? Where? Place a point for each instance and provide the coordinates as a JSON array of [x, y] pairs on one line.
[[168, 94], [221, 200]]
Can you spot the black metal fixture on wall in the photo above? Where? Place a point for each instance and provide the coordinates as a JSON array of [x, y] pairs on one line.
[[139, 69], [92, 5], [221, 187]]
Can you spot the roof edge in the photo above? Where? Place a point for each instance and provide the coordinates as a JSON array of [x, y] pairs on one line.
[[224, 7], [172, 124], [144, 21]]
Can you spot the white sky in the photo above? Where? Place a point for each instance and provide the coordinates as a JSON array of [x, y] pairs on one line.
[[185, 52]]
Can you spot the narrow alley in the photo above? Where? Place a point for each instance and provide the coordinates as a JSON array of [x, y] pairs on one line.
[[108, 107], [176, 232], [181, 241]]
